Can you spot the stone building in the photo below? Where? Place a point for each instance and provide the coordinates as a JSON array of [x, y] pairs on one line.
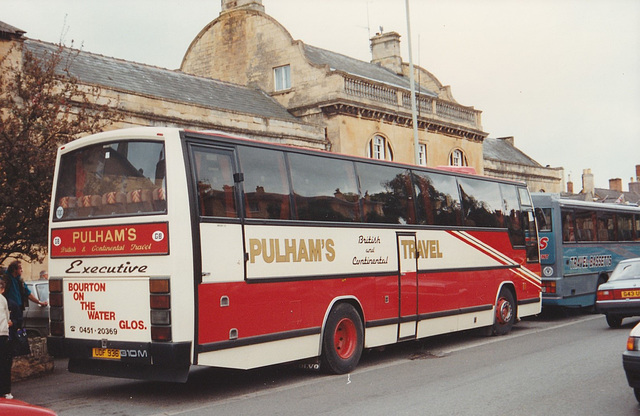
[[364, 107], [503, 160]]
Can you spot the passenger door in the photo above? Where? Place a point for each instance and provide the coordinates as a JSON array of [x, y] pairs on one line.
[[408, 281]]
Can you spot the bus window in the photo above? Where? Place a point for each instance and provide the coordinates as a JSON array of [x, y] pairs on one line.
[[114, 179], [531, 237], [568, 229], [625, 227], [386, 194], [512, 215], [214, 178], [543, 216], [637, 227], [585, 225], [325, 189], [481, 202], [606, 226], [266, 187], [437, 199]]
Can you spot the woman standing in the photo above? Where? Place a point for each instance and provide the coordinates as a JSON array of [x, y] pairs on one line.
[[6, 355]]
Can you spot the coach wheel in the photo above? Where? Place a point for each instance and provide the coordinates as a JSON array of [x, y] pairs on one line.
[[614, 321], [505, 315], [343, 340]]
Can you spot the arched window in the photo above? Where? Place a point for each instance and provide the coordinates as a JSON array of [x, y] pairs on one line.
[[379, 148], [458, 158]]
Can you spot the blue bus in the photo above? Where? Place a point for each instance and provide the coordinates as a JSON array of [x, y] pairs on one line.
[[580, 245]]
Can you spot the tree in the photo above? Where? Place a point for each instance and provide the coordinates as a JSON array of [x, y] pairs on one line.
[[41, 107]]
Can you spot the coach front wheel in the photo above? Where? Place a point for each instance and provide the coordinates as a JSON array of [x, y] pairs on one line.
[[505, 315], [343, 340]]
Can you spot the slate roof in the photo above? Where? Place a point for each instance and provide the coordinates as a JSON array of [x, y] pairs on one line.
[[359, 68], [502, 150], [8, 30], [609, 195], [166, 84]]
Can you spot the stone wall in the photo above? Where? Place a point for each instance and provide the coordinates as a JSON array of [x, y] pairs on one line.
[[36, 364]]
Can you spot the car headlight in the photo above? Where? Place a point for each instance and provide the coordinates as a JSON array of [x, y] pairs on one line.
[[633, 344]]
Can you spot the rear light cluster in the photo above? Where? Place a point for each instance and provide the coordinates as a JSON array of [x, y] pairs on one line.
[[160, 302], [549, 286], [55, 308], [617, 294], [633, 344], [604, 295]]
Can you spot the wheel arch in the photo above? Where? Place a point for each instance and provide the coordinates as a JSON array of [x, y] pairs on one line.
[[508, 285], [353, 301]]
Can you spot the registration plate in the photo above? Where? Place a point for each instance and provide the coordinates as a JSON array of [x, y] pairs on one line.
[[630, 293], [108, 353]]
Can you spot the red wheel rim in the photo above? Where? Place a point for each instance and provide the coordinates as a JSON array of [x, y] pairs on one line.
[[504, 311], [345, 338]]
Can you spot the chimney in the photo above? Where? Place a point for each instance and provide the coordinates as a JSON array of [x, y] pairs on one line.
[[228, 5], [637, 173], [588, 186], [385, 51], [570, 187], [509, 139], [634, 185], [615, 184]]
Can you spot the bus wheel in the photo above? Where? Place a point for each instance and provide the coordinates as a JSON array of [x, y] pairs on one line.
[[614, 321], [505, 313], [343, 340]]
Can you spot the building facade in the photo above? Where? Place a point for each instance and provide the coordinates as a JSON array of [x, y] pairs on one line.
[[364, 107]]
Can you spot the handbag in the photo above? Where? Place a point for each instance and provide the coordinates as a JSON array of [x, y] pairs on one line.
[[21, 343]]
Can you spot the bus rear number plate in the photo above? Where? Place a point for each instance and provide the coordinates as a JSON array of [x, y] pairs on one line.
[[108, 353], [630, 293]]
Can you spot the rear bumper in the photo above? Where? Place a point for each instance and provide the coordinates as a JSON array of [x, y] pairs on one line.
[[631, 365], [166, 361], [625, 307]]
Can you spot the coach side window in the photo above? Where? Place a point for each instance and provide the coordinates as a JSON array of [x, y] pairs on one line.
[[512, 215], [325, 189], [266, 187], [386, 194], [586, 225], [625, 227], [606, 227], [216, 186], [568, 227], [437, 199], [481, 202]]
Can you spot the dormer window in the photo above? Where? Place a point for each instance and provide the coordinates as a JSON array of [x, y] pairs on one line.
[[282, 77]]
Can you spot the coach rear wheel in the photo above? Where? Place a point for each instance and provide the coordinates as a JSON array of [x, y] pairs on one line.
[[343, 340], [505, 315]]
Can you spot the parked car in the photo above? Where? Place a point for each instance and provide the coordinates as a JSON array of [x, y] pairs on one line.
[[13, 407], [619, 297], [36, 317], [631, 361]]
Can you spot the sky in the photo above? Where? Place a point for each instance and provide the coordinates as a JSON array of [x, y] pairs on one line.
[[560, 76]]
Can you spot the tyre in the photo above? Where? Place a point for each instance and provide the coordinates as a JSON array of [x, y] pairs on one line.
[[505, 316], [636, 392], [614, 321], [343, 340]]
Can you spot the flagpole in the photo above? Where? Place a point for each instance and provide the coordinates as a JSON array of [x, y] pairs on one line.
[[414, 115]]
